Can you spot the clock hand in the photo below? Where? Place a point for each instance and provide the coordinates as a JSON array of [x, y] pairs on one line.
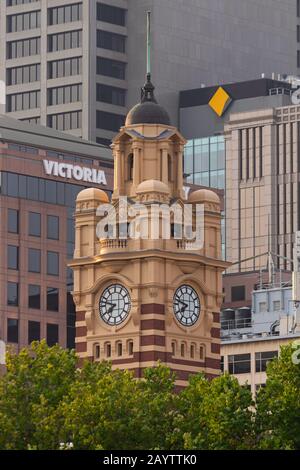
[[111, 308]]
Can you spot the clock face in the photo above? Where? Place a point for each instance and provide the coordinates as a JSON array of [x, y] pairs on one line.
[[114, 304], [186, 305]]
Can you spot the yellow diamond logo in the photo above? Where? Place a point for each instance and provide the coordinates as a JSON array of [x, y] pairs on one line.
[[220, 101]]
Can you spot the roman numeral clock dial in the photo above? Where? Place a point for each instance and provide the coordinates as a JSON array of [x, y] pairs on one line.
[[186, 305], [114, 304]]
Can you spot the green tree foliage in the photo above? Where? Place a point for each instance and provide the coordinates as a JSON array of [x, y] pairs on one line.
[[215, 414], [46, 402], [278, 404]]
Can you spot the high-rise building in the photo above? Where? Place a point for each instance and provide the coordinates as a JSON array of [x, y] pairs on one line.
[[41, 173], [77, 65]]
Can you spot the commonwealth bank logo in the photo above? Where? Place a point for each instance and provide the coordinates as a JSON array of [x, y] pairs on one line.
[[220, 101]]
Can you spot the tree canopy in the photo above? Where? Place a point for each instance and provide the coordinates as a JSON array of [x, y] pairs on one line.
[[46, 402]]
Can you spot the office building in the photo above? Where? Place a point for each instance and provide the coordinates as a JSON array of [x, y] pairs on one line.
[[251, 337], [41, 173], [77, 65]]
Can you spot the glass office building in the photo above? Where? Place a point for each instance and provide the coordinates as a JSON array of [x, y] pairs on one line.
[[37, 229], [204, 162]]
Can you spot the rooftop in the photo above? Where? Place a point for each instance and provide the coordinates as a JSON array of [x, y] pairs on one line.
[[13, 130]]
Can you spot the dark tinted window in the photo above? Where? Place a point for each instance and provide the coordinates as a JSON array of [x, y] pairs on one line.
[[13, 221], [34, 331], [109, 121], [34, 296], [52, 334], [111, 14], [34, 260], [111, 41], [52, 263], [12, 330], [13, 294], [12, 257], [239, 364], [111, 68], [111, 94], [262, 359], [238, 293], [52, 299], [34, 224], [53, 227]]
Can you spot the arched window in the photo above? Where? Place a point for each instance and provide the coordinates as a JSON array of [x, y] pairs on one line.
[[97, 351], [192, 351], [119, 349], [201, 352], [182, 350], [130, 348], [108, 350], [130, 167], [173, 345]]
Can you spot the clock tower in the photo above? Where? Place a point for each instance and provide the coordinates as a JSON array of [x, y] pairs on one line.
[[143, 299]]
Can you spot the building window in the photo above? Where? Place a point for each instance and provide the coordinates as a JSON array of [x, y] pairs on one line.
[[239, 364], [192, 351], [276, 306], [12, 3], [52, 334], [23, 21], [109, 121], [12, 257], [111, 14], [23, 101], [65, 14], [130, 348], [65, 67], [108, 350], [13, 294], [120, 349], [24, 74], [65, 121], [222, 363], [262, 307], [103, 141], [12, 330], [182, 350], [173, 347], [12, 221], [52, 263], [237, 293], [262, 359], [97, 351], [52, 299], [204, 161], [111, 94], [23, 48], [111, 68], [201, 353], [65, 94], [111, 41], [34, 296], [53, 227], [34, 224], [298, 59], [34, 331], [63, 41], [34, 260]]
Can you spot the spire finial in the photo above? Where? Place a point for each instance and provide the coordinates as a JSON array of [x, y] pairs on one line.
[[149, 45]]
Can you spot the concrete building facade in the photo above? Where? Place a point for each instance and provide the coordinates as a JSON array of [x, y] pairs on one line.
[[41, 173], [77, 65]]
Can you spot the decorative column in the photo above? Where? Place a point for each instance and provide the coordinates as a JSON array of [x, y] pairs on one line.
[[136, 166], [180, 171], [117, 172], [164, 165]]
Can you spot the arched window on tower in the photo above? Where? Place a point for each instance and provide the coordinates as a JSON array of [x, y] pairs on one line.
[[119, 349], [97, 351], [182, 349], [130, 347], [130, 167]]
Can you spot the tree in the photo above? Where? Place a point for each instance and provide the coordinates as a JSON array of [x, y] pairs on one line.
[[214, 415], [36, 381], [278, 404]]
